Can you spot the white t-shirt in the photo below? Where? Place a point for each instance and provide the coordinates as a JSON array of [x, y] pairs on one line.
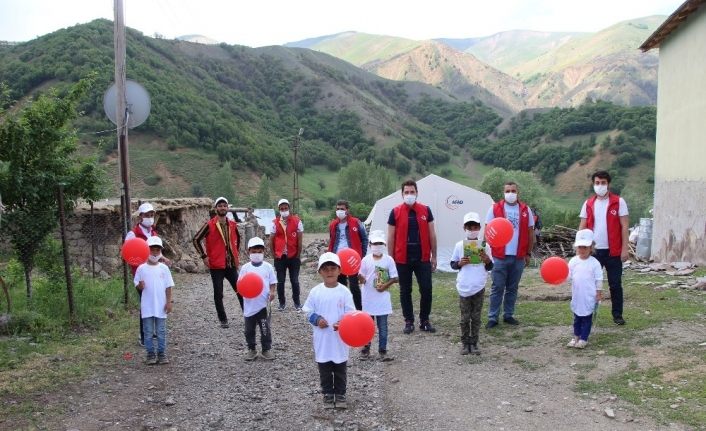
[[471, 278], [586, 278], [331, 303], [273, 229], [376, 303], [252, 306], [512, 213], [157, 280], [600, 212], [342, 236]]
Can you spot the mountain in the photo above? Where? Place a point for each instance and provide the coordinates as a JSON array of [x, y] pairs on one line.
[[197, 38], [361, 48]]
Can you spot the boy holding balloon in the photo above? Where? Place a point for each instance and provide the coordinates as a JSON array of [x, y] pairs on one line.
[[253, 281], [586, 277], [325, 306]]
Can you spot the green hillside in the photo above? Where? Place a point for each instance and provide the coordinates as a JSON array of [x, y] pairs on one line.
[[362, 48]]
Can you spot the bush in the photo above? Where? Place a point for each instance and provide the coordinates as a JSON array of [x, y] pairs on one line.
[[152, 180]]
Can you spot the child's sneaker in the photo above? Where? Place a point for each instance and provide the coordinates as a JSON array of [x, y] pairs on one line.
[[162, 359], [251, 355], [474, 350], [466, 349], [365, 353], [581, 344], [328, 401], [571, 343], [341, 402], [151, 359], [384, 357], [268, 355]]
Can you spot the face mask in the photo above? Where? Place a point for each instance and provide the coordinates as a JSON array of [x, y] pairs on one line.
[[511, 198], [377, 249], [341, 214], [257, 257], [284, 214], [147, 222], [472, 234], [601, 189], [154, 259], [410, 199]]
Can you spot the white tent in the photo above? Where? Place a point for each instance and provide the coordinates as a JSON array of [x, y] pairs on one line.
[[448, 201], [264, 218]]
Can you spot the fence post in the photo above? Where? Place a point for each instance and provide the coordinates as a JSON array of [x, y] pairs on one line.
[[65, 246], [93, 243]]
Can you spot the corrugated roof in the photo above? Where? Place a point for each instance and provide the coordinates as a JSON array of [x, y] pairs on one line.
[[671, 23]]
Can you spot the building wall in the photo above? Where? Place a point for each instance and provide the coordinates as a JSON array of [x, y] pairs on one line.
[[679, 227]]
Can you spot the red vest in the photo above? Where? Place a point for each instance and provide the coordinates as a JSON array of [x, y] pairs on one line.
[[615, 233], [216, 248], [523, 237], [289, 238], [353, 240], [401, 214], [137, 230]]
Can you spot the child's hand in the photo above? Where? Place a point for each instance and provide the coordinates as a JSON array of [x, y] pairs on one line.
[[464, 261], [335, 326], [141, 285], [168, 307], [272, 296], [484, 257], [361, 279], [599, 296], [322, 323]]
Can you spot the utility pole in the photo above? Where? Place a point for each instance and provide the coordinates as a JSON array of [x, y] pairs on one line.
[[295, 191], [121, 117]]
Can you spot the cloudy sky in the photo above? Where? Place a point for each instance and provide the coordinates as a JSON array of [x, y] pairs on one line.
[[275, 22]]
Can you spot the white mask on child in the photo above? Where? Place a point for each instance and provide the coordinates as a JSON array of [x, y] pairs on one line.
[[155, 259], [147, 222], [472, 234], [257, 257], [377, 250]]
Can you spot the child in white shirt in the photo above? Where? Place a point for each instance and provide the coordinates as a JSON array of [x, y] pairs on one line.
[[586, 278], [473, 270], [325, 306], [154, 280], [377, 273], [255, 309]]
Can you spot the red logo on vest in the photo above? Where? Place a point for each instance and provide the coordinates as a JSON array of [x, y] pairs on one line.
[[613, 212], [424, 217]]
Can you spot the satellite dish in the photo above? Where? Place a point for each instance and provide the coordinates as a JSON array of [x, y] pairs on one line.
[[138, 103]]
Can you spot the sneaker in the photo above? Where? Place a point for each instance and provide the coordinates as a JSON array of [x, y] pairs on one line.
[[251, 355], [151, 359], [511, 321], [474, 349], [329, 401], [408, 327], [619, 320], [384, 357], [268, 355], [140, 342], [281, 307], [571, 343], [491, 324], [341, 402], [466, 349], [162, 359], [365, 353], [298, 308], [581, 344], [426, 327], [225, 324]]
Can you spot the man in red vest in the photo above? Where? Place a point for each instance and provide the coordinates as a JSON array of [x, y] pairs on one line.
[[220, 255], [411, 240], [606, 214], [510, 260], [346, 231], [286, 247]]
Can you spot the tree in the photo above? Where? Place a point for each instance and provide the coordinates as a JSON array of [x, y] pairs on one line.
[[38, 151], [262, 198], [364, 182], [224, 183], [531, 191]]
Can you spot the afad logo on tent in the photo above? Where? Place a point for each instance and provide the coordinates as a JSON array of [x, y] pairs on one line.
[[453, 202]]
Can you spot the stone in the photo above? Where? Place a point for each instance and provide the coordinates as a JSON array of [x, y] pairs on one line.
[[609, 413], [529, 409], [169, 401]]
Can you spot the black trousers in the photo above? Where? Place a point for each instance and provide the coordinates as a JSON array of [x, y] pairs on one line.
[[333, 377], [258, 319], [422, 271], [354, 287], [614, 270], [281, 266], [217, 276]]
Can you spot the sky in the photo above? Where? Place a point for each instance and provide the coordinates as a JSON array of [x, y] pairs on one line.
[[257, 23]]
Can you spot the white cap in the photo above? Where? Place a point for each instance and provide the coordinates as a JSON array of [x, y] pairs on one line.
[[282, 201], [377, 236], [154, 240], [328, 257], [255, 241], [471, 216], [218, 199], [584, 237], [145, 208]]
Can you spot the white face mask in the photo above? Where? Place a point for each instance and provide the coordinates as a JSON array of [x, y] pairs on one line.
[[600, 189], [472, 234], [341, 214], [257, 257], [284, 214], [155, 259], [410, 199], [147, 222], [511, 198], [377, 250]]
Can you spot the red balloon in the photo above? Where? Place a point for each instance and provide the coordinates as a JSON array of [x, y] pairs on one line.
[[350, 261], [135, 251], [554, 270], [250, 285], [356, 328], [498, 232]]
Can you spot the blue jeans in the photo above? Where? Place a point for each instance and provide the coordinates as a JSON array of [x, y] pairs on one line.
[[506, 276], [422, 270], [614, 269], [382, 332], [582, 326], [156, 325]]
